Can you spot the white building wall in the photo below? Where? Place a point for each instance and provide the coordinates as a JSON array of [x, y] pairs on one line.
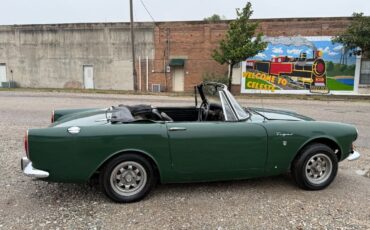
[[53, 56]]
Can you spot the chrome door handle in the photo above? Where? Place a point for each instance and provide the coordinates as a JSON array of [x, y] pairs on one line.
[[177, 129]]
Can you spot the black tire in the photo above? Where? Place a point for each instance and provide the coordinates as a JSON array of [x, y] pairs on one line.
[[308, 169], [140, 168]]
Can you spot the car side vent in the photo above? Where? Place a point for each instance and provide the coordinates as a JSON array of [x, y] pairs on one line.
[[156, 88]]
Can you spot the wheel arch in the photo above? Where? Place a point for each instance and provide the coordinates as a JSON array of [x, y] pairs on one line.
[[331, 143], [142, 153]]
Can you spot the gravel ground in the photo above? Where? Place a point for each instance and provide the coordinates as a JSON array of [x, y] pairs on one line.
[[250, 204]]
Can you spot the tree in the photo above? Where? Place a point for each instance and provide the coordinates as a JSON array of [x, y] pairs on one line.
[[357, 34], [240, 41], [214, 18], [330, 66]]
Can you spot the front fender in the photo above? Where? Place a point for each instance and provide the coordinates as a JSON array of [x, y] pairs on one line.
[[287, 138]]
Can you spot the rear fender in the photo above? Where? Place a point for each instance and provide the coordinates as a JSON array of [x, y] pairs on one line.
[[123, 151], [58, 114]]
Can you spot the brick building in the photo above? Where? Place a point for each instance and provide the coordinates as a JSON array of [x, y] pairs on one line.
[[183, 54], [171, 56], [183, 49]]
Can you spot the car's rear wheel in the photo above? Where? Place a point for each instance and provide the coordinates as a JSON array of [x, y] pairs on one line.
[[127, 178], [316, 167]]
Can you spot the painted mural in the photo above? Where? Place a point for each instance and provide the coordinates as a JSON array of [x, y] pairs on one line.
[[300, 64]]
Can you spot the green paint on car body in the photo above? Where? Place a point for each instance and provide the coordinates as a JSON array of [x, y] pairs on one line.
[[264, 144]]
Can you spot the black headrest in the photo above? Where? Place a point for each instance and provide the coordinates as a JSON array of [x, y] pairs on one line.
[[121, 114]]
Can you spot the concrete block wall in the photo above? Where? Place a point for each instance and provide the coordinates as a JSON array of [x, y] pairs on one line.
[[53, 56]]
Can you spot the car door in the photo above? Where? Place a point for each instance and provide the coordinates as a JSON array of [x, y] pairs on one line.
[[217, 150]]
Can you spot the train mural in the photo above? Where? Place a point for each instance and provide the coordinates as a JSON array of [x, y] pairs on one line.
[[301, 72], [307, 64]]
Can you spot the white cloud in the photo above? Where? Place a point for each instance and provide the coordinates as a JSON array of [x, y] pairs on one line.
[[261, 55], [331, 53], [338, 48], [294, 51], [273, 55], [325, 50], [277, 50]]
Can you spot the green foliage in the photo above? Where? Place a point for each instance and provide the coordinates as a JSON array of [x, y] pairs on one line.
[[336, 69], [212, 77], [329, 66], [214, 18], [357, 34], [240, 41], [343, 68]]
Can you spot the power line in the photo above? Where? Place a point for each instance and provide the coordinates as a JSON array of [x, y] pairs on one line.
[[146, 9]]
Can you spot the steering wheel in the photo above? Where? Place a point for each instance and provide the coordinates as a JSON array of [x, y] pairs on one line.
[[203, 111]]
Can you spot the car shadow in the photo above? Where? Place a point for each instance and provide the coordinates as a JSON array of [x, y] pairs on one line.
[[69, 193], [257, 184]]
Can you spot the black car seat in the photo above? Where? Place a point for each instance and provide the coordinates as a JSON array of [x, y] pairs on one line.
[[165, 117]]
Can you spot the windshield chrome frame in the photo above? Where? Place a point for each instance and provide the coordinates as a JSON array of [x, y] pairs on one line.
[[224, 100], [232, 102]]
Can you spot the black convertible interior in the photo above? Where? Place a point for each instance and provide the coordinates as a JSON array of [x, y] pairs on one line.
[[125, 114], [207, 111]]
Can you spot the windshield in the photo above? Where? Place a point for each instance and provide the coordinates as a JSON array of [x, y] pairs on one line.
[[215, 93], [242, 115], [211, 92]]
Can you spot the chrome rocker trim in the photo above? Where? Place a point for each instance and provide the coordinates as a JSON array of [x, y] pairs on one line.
[[353, 156], [29, 170]]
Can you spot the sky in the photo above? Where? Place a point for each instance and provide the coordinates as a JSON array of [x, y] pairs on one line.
[[77, 11], [330, 51]]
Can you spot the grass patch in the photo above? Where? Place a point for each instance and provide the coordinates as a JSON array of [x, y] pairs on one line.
[[336, 85]]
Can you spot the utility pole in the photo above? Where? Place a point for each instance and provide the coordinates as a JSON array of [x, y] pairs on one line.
[[133, 46]]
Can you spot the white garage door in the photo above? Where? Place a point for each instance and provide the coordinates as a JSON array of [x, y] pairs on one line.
[[2, 73], [88, 77], [178, 79]]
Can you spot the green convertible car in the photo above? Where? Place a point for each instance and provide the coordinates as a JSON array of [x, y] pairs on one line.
[[132, 148]]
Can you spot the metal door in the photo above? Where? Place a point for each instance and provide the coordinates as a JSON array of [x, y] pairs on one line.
[[2, 73], [218, 150], [88, 77], [178, 79]]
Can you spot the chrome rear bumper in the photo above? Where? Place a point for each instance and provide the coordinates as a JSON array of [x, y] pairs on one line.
[[353, 156], [29, 170]]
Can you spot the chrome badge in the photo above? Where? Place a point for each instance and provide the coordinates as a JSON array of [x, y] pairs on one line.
[[74, 130], [283, 134]]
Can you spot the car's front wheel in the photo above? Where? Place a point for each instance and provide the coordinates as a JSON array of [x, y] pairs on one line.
[[315, 168], [127, 178]]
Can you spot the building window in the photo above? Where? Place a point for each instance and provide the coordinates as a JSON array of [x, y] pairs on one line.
[[236, 65], [156, 88]]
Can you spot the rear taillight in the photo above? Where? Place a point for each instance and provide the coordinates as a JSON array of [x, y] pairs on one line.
[[52, 116], [26, 144]]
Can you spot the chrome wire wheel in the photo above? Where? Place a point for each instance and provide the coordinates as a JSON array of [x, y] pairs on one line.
[[128, 178], [318, 168]]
